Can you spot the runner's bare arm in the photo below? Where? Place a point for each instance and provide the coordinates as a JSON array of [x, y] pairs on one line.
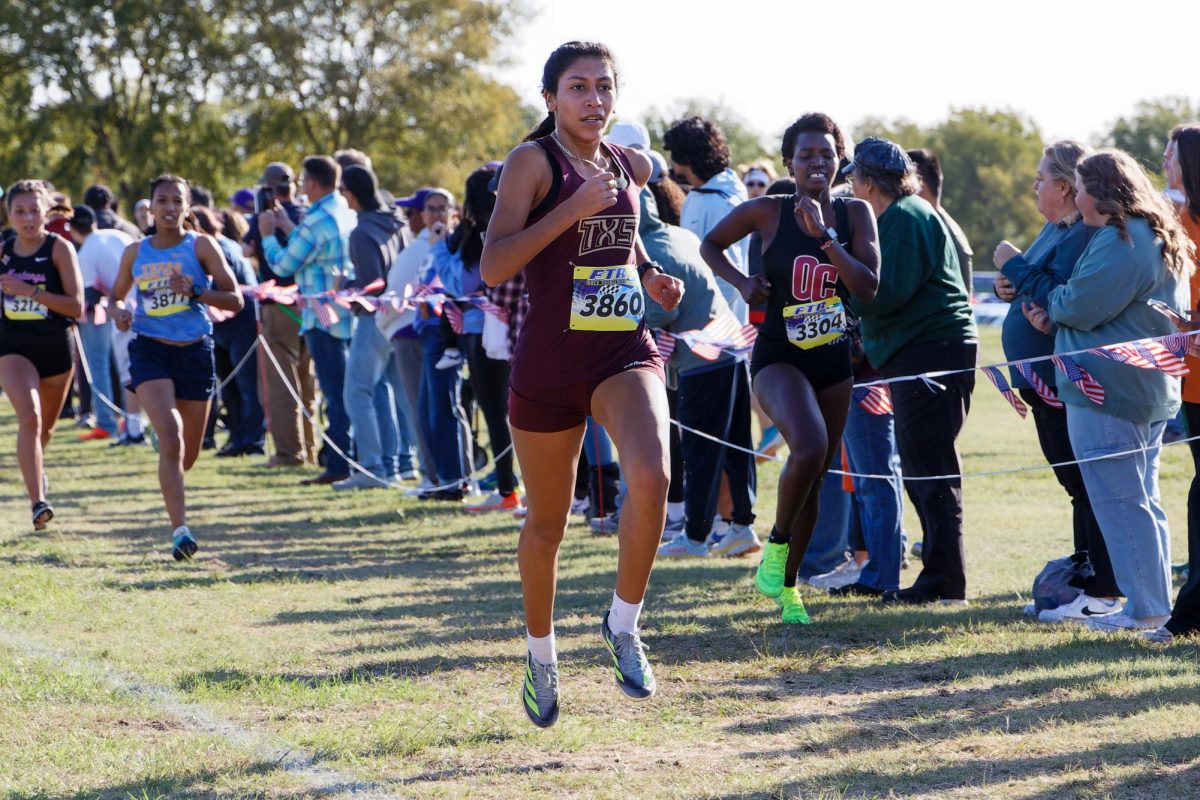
[[225, 295], [748, 218], [70, 302], [122, 317], [858, 263]]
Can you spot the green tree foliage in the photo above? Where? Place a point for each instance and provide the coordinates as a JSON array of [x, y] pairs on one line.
[[214, 89], [746, 146], [989, 158], [1144, 132]]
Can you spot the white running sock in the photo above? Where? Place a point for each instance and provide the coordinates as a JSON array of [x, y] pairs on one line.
[[542, 648], [623, 617], [675, 511], [133, 425], [180, 531]]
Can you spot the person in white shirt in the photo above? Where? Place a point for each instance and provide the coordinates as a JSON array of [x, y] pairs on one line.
[[99, 260], [700, 158]]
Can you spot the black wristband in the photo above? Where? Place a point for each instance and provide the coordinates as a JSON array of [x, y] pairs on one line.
[[197, 290], [646, 266]]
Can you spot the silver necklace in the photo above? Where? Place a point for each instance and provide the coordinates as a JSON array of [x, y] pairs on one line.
[[621, 182]]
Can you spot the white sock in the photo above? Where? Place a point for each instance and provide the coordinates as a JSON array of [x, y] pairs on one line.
[[675, 511], [133, 425], [180, 531], [623, 617], [542, 648]]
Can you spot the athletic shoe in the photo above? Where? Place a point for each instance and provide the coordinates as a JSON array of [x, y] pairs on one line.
[[95, 435], [1030, 610], [42, 514], [634, 675], [719, 528], [855, 590], [451, 359], [843, 574], [673, 528], [183, 546], [916, 549], [770, 443], [1081, 608], [769, 576], [1112, 623], [605, 525], [128, 441], [409, 474], [424, 488], [521, 512], [681, 545], [1159, 635], [915, 597], [360, 480], [539, 695], [579, 506], [497, 502], [739, 541], [792, 607]]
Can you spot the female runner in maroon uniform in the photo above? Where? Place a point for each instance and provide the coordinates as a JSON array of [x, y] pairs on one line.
[[567, 213], [41, 294], [815, 250]]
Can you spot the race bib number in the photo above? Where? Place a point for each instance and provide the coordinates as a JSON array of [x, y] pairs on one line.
[[159, 300], [606, 299], [811, 325], [25, 309]]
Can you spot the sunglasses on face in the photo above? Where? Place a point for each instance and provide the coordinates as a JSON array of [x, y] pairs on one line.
[[755, 185]]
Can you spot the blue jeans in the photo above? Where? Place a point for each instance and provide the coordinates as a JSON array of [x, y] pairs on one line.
[[373, 396], [408, 356], [329, 359], [830, 538], [97, 348], [441, 412], [250, 427], [1125, 499], [870, 443]]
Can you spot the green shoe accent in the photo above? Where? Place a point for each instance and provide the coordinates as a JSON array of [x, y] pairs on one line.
[[769, 577], [793, 607]]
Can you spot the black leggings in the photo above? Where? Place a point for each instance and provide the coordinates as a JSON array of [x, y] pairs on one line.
[[489, 379], [1186, 616]]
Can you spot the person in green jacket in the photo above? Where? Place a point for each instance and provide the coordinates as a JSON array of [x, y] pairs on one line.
[[920, 321], [1140, 255]]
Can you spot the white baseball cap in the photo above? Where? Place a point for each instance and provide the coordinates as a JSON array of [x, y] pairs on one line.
[[629, 134]]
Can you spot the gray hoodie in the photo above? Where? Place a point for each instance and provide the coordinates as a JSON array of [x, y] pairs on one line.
[[678, 252], [375, 243]]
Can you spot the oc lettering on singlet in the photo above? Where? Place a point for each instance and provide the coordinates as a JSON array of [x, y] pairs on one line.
[[819, 317]]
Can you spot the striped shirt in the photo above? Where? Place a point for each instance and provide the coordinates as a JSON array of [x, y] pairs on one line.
[[318, 254]]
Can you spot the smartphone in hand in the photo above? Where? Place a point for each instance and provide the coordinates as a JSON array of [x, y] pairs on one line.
[[1181, 322]]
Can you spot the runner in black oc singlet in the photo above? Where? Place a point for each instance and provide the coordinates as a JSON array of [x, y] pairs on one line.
[[40, 297], [816, 250]]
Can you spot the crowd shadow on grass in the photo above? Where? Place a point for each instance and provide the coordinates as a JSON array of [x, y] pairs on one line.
[[1154, 758]]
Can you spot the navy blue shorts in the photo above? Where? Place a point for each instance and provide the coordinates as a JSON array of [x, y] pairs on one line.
[[190, 367]]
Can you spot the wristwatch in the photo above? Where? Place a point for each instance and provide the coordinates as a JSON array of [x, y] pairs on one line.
[[197, 290], [827, 238], [646, 266]]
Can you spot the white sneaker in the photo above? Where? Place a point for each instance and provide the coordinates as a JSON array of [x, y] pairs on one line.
[[1111, 623], [719, 529], [424, 487], [1159, 636], [739, 541], [1030, 610], [606, 524], [673, 528], [361, 480], [843, 574], [681, 545], [1080, 609], [579, 506], [451, 359]]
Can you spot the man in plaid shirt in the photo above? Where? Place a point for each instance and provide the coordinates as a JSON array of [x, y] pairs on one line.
[[318, 254], [511, 296]]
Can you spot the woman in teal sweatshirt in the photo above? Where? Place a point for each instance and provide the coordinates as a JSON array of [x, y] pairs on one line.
[[1140, 254]]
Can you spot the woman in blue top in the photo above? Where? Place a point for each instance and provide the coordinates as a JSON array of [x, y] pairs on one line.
[[177, 273], [1140, 255], [1029, 277]]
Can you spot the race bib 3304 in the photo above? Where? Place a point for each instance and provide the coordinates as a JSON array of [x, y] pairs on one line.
[[606, 299], [811, 325]]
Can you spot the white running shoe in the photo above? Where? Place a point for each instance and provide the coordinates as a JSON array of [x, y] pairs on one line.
[[1112, 623], [739, 541], [1030, 610], [579, 506], [425, 487], [719, 529], [681, 545], [1082, 608], [605, 525], [451, 359], [673, 528], [843, 574], [361, 480]]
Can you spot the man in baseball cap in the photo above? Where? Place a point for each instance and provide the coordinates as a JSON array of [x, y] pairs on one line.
[[277, 174]]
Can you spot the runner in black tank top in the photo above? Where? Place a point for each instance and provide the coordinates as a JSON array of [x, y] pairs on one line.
[[40, 297], [584, 340], [816, 250]]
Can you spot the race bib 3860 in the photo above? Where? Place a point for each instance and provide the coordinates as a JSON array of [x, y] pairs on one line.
[[606, 299]]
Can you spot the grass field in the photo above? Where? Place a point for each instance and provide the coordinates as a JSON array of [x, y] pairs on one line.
[[326, 645]]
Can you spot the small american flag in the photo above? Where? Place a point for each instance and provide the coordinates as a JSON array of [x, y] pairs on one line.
[[488, 307], [998, 380], [1040, 386], [325, 312], [1079, 376], [1145, 354], [455, 315], [666, 344], [875, 400]]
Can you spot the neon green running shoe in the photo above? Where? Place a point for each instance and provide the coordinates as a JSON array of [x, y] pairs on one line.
[[793, 607], [769, 577]]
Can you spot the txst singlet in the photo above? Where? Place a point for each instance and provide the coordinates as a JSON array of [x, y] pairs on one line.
[[585, 320], [806, 303], [24, 313]]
